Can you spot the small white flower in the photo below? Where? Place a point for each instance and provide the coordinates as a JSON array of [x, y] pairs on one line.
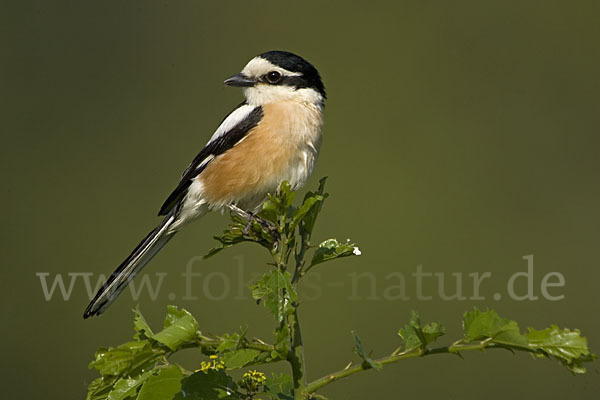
[[356, 251]]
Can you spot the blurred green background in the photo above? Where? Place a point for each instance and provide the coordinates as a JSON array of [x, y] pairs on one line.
[[460, 136]]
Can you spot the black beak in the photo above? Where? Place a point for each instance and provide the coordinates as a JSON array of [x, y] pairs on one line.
[[240, 80]]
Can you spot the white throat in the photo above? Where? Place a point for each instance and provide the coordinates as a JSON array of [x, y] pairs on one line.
[[262, 94]]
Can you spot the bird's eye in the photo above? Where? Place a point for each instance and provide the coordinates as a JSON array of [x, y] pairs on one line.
[[273, 77]]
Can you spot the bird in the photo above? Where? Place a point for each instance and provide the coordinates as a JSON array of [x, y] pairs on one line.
[[273, 136]]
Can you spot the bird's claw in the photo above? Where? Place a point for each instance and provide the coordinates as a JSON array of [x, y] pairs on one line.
[[268, 226]]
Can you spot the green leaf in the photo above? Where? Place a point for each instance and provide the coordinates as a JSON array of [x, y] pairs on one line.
[[276, 289], [309, 203], [278, 204], [179, 328], [162, 386], [128, 387], [128, 359], [270, 209], [286, 195], [310, 218], [100, 388], [414, 336], [173, 315], [432, 331], [411, 333], [142, 329], [282, 341], [358, 349], [569, 347], [239, 358], [215, 250], [237, 233], [229, 342], [131, 361], [210, 385], [331, 249], [230, 237], [279, 387], [479, 325]]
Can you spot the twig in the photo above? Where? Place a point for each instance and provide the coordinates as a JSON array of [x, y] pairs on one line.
[[452, 349], [296, 359], [215, 343]]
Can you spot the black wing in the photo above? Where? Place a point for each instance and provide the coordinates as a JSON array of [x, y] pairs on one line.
[[217, 145]]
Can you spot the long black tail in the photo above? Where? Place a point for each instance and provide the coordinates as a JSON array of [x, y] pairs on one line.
[[129, 268]]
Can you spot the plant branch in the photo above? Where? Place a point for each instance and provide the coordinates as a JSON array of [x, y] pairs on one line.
[[296, 359], [213, 343], [413, 353], [300, 254]]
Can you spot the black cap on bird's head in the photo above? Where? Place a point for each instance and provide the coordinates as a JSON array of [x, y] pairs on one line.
[[279, 68], [310, 76]]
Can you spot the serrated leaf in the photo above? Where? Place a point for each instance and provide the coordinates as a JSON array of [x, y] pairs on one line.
[[414, 336], [279, 387], [569, 347], [179, 327], [411, 333], [432, 331], [239, 358], [565, 345], [129, 358], [128, 387], [142, 329], [174, 313], [331, 249], [277, 292], [229, 342], [358, 349], [162, 386], [479, 325], [210, 385]]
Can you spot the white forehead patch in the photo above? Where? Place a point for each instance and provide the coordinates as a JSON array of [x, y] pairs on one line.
[[258, 66]]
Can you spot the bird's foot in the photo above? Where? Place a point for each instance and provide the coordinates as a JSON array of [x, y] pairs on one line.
[[251, 218]]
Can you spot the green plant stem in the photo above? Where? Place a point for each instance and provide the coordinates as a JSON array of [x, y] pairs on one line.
[[304, 245], [452, 349], [304, 272], [296, 359], [215, 343], [295, 355]]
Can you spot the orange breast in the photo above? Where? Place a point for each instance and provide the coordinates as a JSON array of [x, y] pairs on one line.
[[256, 165]]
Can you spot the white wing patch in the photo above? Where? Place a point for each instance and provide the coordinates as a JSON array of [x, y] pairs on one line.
[[236, 116], [205, 161]]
